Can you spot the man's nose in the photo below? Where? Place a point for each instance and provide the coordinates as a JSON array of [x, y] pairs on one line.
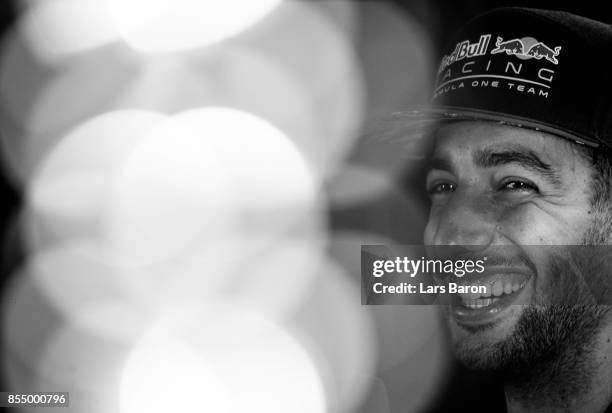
[[466, 221]]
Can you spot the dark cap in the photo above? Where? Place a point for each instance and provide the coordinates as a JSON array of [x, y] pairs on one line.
[[540, 69]]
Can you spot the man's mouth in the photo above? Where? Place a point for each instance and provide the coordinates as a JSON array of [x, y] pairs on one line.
[[499, 290], [494, 291]]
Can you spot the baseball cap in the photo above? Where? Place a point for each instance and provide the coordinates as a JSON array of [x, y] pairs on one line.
[[539, 69]]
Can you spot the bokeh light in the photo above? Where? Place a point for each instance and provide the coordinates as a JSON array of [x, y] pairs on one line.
[[171, 25], [326, 64], [87, 291], [203, 175], [56, 29], [342, 334], [242, 363], [258, 72], [42, 105], [69, 193], [68, 359], [59, 28], [166, 375], [178, 160]]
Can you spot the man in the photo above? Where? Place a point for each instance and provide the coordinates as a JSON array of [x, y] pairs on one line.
[[523, 105]]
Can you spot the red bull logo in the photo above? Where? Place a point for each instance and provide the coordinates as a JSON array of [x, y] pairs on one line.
[[527, 48], [465, 50], [497, 63]]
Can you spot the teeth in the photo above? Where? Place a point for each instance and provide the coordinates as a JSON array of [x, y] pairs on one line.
[[479, 303], [498, 288]]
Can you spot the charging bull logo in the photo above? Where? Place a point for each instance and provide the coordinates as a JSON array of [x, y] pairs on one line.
[[540, 50], [527, 48], [514, 46]]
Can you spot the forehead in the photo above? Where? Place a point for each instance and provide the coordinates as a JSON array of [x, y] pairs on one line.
[[458, 140]]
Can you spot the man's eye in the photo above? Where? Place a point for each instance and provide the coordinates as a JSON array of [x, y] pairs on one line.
[[441, 188], [517, 185]]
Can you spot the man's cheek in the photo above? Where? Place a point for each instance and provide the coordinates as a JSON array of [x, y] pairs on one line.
[[550, 285], [527, 224], [539, 222], [561, 280]]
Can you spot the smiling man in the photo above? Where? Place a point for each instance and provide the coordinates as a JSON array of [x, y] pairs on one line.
[[499, 191], [520, 172]]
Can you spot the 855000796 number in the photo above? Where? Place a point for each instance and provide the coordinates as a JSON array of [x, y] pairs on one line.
[[38, 399]]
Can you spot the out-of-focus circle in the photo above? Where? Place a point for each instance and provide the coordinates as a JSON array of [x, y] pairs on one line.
[[171, 84], [178, 376], [56, 29], [233, 76], [267, 168], [340, 332], [278, 281], [248, 79], [204, 175], [88, 291], [43, 105], [249, 363], [85, 365], [260, 73], [81, 90], [205, 273], [320, 55], [174, 25], [172, 193], [69, 194], [274, 278], [43, 351]]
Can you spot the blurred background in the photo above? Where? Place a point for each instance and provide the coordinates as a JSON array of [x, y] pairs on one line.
[[185, 188]]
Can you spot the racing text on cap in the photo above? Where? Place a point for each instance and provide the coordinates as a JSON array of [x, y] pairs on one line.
[[499, 64]]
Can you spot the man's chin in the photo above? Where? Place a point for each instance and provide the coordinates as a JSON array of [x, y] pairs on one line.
[[528, 338], [479, 345]]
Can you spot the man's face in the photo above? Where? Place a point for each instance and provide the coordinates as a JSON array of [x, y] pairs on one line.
[[498, 190]]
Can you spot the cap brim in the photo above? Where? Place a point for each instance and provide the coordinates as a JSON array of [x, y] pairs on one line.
[[407, 126]]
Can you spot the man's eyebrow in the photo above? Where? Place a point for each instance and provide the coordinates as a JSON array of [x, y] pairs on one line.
[[488, 158]]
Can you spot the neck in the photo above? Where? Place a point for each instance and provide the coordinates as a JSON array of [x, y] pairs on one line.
[[580, 381]]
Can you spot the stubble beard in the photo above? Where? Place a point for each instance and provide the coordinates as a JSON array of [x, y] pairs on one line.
[[550, 350]]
